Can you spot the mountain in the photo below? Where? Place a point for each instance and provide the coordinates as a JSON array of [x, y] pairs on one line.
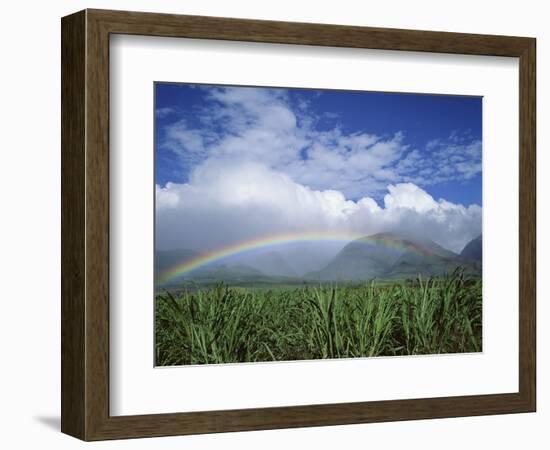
[[263, 268], [235, 275], [383, 256], [411, 264], [270, 263], [473, 250], [166, 259], [224, 272], [389, 256], [361, 259], [434, 248], [312, 256]]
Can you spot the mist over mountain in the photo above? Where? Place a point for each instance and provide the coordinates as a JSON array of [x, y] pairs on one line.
[[359, 260], [166, 259], [388, 256], [270, 263], [380, 256], [309, 256], [233, 272], [245, 267], [473, 250], [289, 260]]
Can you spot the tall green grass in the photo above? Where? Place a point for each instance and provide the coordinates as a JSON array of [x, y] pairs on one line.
[[228, 325]]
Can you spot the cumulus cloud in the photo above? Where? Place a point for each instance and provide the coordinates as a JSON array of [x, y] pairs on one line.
[[226, 203], [257, 162], [455, 158], [164, 112], [265, 126]]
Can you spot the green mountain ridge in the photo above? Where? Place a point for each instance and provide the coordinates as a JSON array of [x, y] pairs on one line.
[[383, 256], [473, 250], [391, 256]]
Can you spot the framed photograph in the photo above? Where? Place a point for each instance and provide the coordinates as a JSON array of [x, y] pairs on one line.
[[272, 225]]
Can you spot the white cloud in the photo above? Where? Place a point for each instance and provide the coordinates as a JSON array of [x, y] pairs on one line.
[[164, 112], [456, 158], [409, 196], [223, 204], [259, 165], [263, 125]]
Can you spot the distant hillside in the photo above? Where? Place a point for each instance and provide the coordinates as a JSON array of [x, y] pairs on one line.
[[361, 259], [390, 256], [264, 268], [269, 263], [434, 248], [473, 250], [411, 264], [384, 256], [235, 275], [166, 259], [227, 272]]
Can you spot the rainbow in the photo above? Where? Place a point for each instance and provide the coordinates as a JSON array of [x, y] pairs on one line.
[[272, 240]]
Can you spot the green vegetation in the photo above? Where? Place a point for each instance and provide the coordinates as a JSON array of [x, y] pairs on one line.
[[224, 324]]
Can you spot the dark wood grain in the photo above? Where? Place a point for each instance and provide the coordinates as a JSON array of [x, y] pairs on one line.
[[85, 224], [527, 224], [97, 225], [73, 226], [151, 24]]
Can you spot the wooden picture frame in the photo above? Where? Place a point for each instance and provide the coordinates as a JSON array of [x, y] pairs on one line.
[[85, 224]]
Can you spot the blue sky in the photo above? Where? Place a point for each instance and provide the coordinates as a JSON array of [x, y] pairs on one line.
[[428, 124], [234, 163]]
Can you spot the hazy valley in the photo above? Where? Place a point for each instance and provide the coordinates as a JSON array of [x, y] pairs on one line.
[[383, 256]]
